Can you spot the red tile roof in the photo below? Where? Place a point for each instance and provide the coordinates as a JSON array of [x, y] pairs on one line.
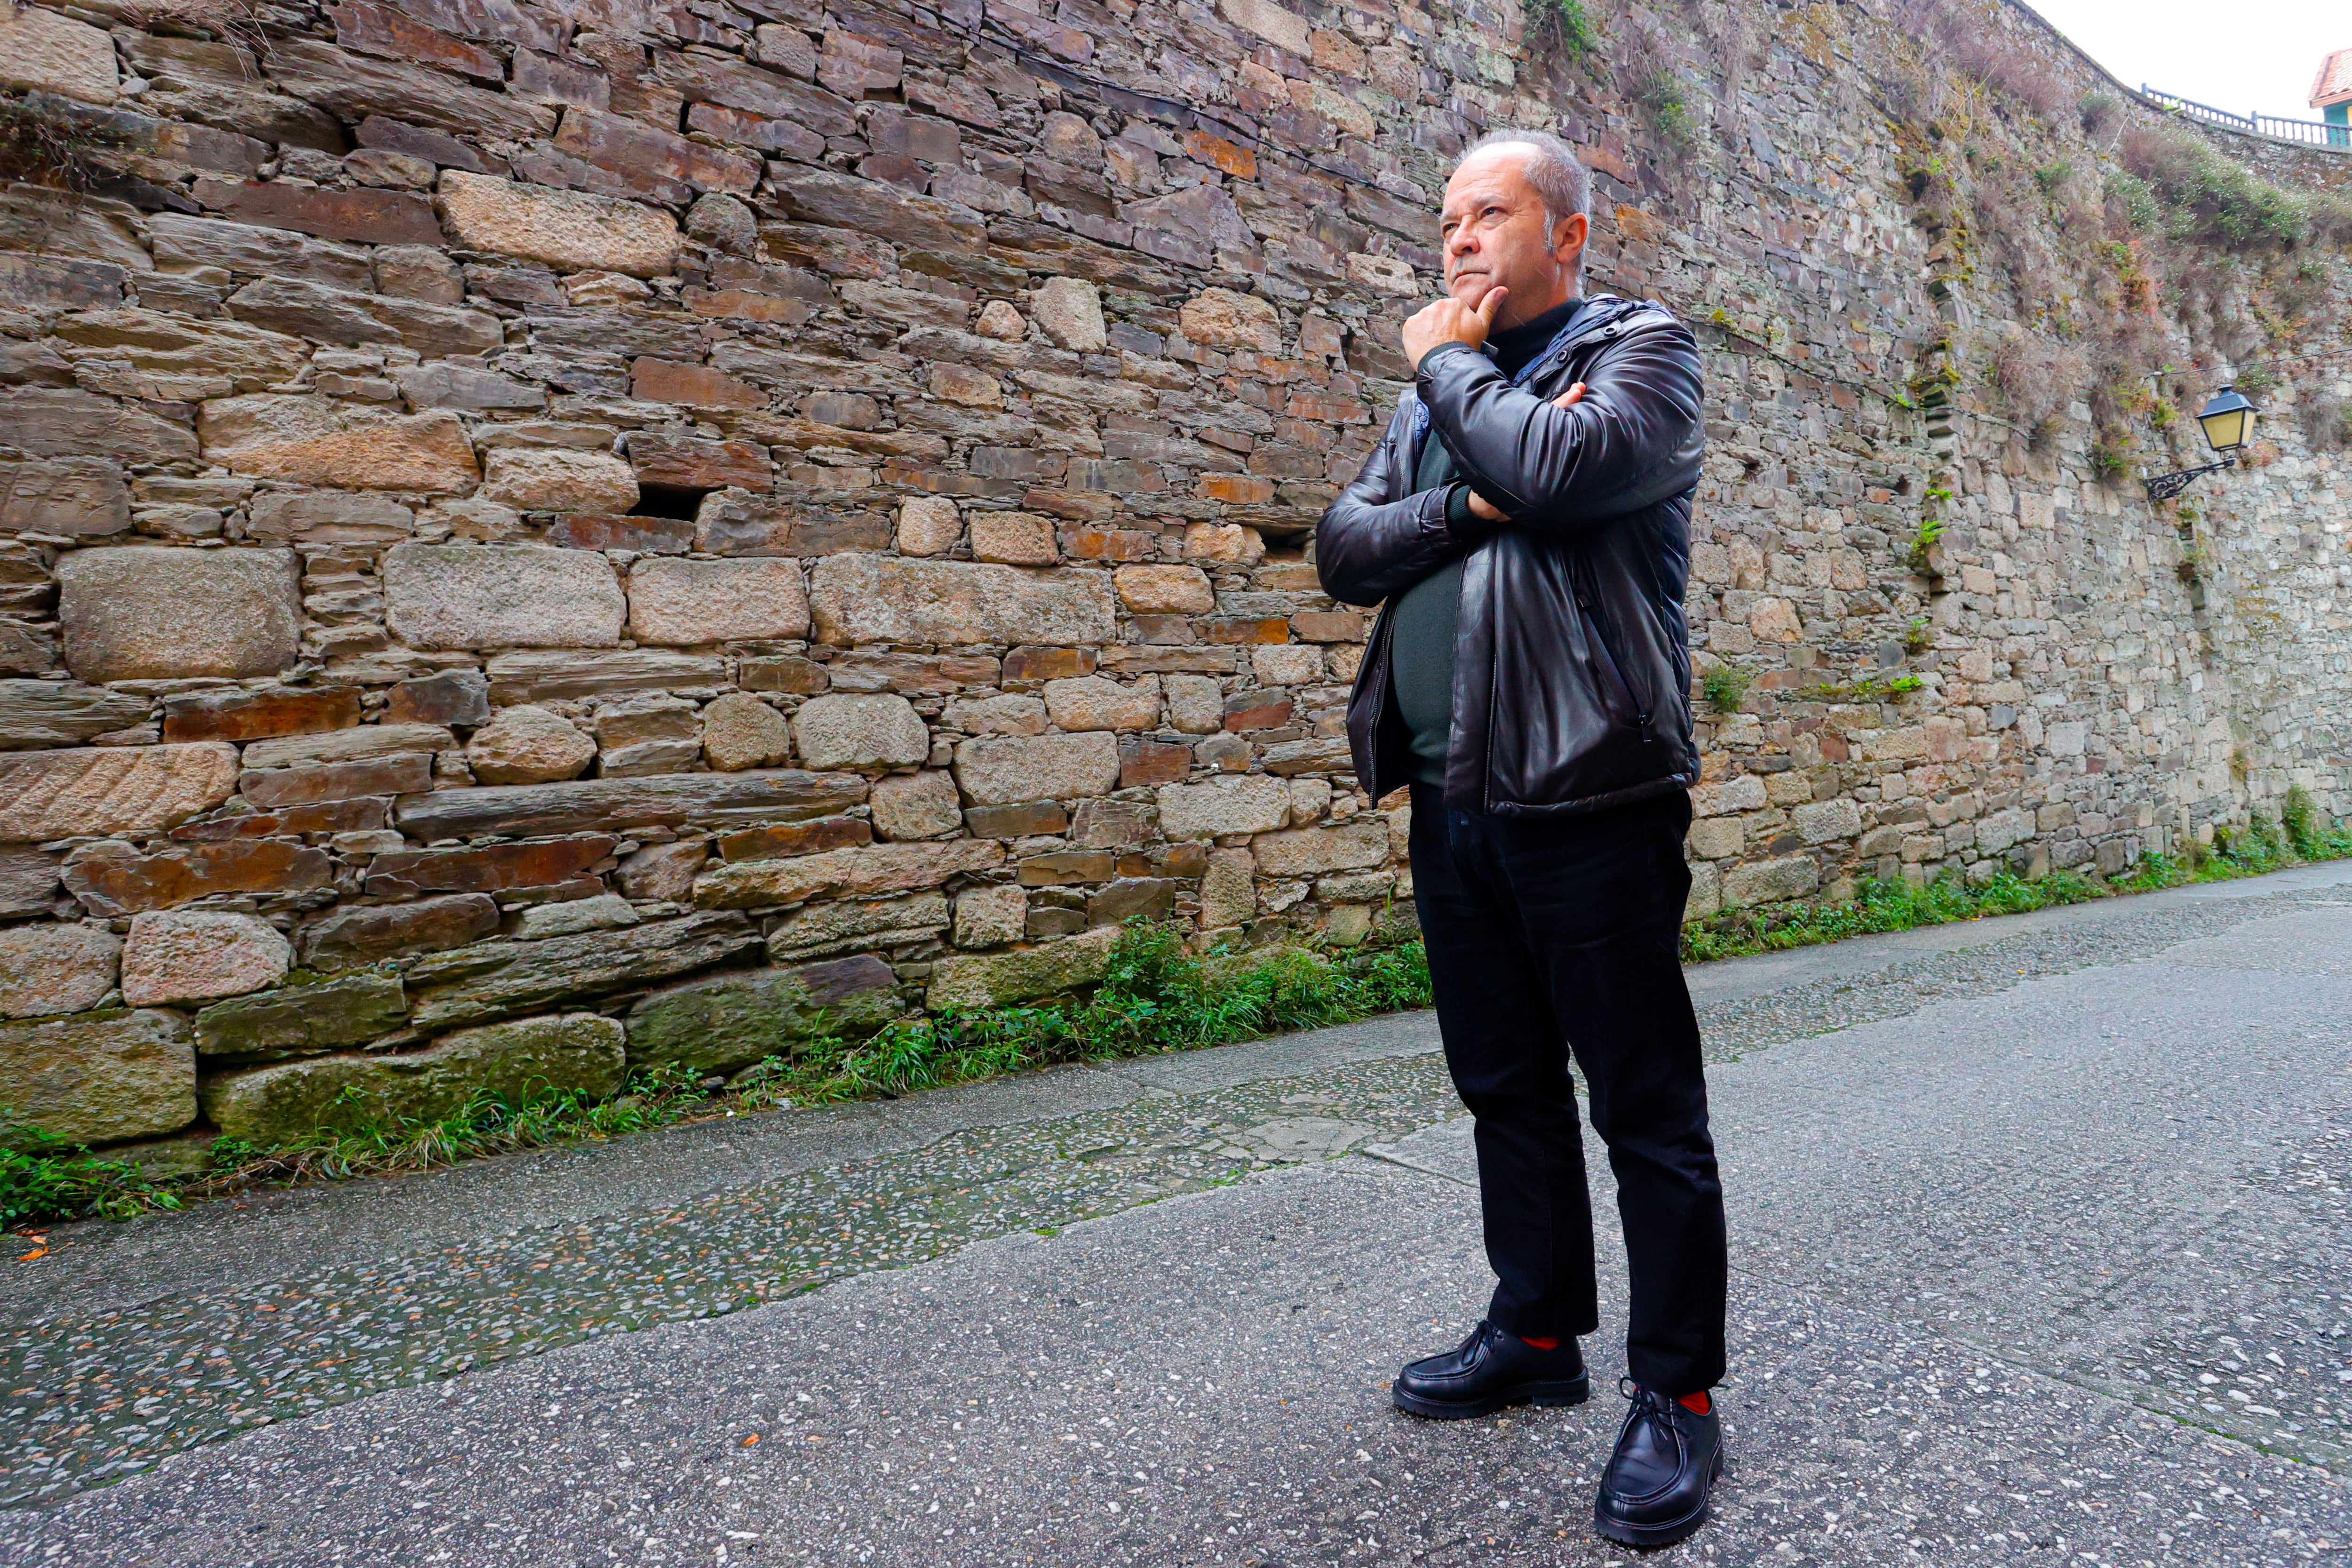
[[2334, 83]]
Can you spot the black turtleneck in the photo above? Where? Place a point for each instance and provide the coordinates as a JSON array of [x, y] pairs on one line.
[[1428, 616]]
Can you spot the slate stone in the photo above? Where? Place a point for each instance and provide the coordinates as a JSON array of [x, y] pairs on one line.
[[303, 1020], [530, 1060], [36, 713], [488, 869], [494, 980], [112, 878], [279, 789], [729, 1021], [544, 677], [354, 936], [856, 873], [823, 930], [259, 715], [291, 821], [675, 800], [75, 498]]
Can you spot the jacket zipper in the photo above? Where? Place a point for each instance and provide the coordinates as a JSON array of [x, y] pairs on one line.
[[1592, 619]]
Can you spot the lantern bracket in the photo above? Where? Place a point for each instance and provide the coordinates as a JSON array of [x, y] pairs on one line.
[[2164, 487]]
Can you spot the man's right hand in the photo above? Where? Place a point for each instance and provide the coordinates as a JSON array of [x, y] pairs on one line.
[[1486, 510]]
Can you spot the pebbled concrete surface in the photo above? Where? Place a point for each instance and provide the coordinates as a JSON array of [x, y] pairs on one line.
[[2043, 1245]]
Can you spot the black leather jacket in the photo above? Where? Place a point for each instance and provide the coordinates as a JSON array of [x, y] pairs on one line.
[[1571, 672]]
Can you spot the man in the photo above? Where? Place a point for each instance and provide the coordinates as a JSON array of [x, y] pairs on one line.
[[1526, 520]]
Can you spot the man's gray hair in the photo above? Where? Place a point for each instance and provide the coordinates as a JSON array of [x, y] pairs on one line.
[[1552, 167]]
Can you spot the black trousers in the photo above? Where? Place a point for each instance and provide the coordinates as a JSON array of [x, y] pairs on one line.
[[1547, 935]]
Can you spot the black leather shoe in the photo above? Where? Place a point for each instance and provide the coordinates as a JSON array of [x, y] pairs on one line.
[[1488, 1370], [1655, 1492]]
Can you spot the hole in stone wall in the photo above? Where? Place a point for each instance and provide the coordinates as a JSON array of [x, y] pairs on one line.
[[667, 501]]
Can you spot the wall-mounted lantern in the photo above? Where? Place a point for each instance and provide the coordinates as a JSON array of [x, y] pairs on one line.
[[2228, 420]]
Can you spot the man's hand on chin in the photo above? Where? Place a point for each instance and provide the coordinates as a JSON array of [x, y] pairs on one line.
[[1449, 320]]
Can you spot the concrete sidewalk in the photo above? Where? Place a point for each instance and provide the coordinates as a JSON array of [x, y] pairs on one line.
[[2040, 1226]]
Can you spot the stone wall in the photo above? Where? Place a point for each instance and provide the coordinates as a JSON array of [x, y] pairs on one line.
[[546, 535]]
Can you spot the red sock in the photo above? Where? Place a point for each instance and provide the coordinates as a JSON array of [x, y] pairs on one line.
[[1546, 1344], [1697, 1402]]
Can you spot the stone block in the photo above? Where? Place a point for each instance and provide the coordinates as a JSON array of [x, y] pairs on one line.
[[194, 955], [349, 816], [111, 878], [850, 924], [1306, 852], [139, 612], [569, 230], [1239, 803], [917, 806], [351, 937], [1001, 979], [1228, 891], [730, 1021], [1165, 590], [1745, 792], [1196, 703], [876, 732], [1024, 820], [1065, 867], [259, 715], [35, 715], [1771, 881], [1820, 821], [28, 882], [440, 596], [1092, 703], [676, 800], [663, 873], [1005, 715], [46, 969], [1132, 898], [453, 697], [862, 872], [554, 479], [486, 867], [1070, 310], [696, 386], [303, 1020], [685, 603], [740, 731], [1015, 538], [531, 1058], [928, 525], [313, 441], [48, 53], [1219, 317], [1000, 770], [529, 745], [991, 917], [872, 598], [100, 1078], [101, 791], [77, 498]]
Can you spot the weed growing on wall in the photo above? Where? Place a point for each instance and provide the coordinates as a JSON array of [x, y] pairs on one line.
[[1726, 687], [1564, 29]]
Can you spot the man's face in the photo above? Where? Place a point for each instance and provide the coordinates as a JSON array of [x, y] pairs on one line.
[[1495, 235]]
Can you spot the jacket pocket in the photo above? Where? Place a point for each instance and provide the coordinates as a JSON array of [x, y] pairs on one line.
[[1626, 703]]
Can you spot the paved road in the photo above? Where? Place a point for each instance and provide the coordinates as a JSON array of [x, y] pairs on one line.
[[2041, 1234]]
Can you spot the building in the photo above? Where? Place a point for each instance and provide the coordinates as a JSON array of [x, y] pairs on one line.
[[2331, 94]]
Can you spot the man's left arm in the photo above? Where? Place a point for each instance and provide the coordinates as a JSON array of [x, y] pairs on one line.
[[1632, 440]]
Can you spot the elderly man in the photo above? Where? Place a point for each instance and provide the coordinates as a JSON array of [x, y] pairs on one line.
[[1526, 522]]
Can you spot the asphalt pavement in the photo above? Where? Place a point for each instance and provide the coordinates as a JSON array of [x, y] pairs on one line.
[[2041, 1248]]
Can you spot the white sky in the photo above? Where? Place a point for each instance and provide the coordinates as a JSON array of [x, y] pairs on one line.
[[2246, 57]]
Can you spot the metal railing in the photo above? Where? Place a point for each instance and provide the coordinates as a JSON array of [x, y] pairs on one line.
[[2312, 132]]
